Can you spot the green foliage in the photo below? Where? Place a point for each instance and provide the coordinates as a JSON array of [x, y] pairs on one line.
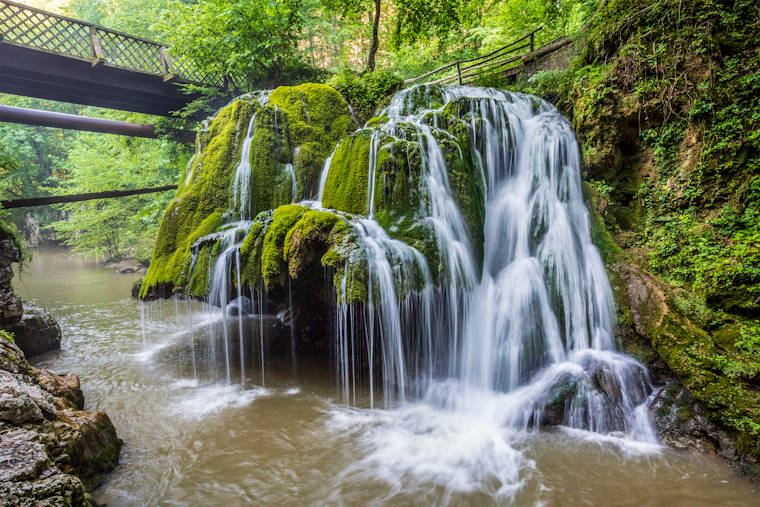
[[115, 228], [255, 39], [135, 17], [7, 336], [368, 92]]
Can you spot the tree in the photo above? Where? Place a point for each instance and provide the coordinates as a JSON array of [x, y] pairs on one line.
[[256, 39], [353, 8], [116, 227]]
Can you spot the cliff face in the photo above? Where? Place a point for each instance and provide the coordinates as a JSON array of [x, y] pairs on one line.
[[665, 100]]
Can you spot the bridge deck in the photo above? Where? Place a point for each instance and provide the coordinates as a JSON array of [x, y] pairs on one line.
[[48, 56]]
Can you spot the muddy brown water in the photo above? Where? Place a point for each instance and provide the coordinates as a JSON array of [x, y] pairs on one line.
[[193, 440]]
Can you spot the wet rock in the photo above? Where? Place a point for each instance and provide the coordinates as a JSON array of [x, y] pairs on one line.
[[22, 455], [22, 401], [604, 380], [11, 309], [552, 408], [37, 332], [65, 388], [50, 451], [89, 443], [240, 305], [136, 288]]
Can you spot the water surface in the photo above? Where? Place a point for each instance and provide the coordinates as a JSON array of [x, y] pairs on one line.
[[291, 442]]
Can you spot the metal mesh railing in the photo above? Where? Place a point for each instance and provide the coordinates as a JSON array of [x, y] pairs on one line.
[[44, 31]]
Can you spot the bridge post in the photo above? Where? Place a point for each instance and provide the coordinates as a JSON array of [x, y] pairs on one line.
[[167, 64], [96, 50], [459, 74]]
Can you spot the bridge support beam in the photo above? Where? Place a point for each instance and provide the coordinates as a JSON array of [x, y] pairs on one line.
[[40, 118], [60, 199]]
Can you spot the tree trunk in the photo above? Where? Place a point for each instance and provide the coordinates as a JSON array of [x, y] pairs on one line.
[[375, 38]]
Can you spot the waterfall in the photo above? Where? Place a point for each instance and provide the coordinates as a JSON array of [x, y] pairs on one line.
[[230, 240], [533, 320], [242, 183], [323, 177], [293, 183]]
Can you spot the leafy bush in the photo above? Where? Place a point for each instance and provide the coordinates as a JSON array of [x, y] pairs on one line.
[[367, 92]]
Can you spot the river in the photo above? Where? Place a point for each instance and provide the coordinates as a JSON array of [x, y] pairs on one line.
[[291, 442]]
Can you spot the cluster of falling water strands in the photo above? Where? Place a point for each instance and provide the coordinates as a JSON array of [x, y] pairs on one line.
[[503, 336]]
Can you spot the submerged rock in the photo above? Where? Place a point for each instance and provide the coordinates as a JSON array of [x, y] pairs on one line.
[[37, 332], [51, 451], [240, 305]]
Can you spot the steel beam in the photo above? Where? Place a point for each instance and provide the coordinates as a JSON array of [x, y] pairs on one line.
[[40, 118]]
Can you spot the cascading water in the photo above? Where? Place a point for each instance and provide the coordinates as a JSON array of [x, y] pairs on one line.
[[242, 183], [230, 240], [528, 338]]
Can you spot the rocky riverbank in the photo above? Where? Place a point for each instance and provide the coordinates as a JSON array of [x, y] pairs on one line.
[[51, 450]]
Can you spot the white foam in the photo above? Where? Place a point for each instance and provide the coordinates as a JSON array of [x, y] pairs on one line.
[[419, 446], [200, 402]]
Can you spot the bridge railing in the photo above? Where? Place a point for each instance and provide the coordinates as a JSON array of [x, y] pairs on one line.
[[33, 28], [503, 60]]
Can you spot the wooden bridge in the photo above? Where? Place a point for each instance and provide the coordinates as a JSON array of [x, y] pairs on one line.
[[49, 56]]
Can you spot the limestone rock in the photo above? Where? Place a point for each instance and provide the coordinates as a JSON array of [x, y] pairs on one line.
[[65, 388], [50, 450], [37, 332], [10, 304], [241, 305]]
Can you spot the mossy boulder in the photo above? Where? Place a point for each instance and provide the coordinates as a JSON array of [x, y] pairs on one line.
[[296, 242], [298, 125], [314, 118]]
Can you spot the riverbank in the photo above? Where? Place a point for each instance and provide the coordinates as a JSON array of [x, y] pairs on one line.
[[51, 450]]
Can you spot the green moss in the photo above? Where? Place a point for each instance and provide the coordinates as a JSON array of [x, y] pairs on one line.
[[272, 259], [251, 249], [600, 234], [299, 125], [196, 209], [306, 240], [7, 336], [174, 268], [366, 92], [691, 354], [200, 281], [346, 185], [288, 242], [270, 151], [315, 118]]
